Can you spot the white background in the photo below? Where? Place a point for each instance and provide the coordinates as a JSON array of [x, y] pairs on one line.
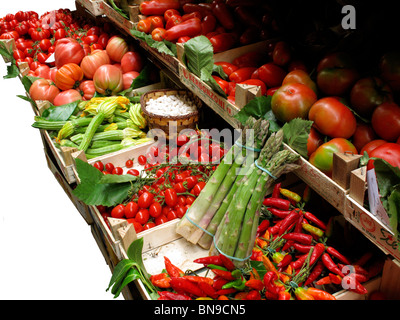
[[47, 251]]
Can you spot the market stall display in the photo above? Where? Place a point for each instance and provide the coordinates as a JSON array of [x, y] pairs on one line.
[[98, 97]]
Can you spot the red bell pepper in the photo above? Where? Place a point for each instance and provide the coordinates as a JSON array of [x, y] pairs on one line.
[[188, 28], [158, 7]]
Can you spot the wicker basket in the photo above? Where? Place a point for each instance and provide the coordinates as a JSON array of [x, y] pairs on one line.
[[187, 121]]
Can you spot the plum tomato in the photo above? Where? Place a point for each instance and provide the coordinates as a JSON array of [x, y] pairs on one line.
[[133, 172], [386, 121], [145, 199], [118, 211], [99, 165], [155, 209], [171, 197], [138, 227], [142, 160], [131, 209], [142, 216], [109, 167]]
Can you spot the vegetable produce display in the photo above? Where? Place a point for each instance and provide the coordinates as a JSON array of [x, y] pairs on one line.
[[239, 202]]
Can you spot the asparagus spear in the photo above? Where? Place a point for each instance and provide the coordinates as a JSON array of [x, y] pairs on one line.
[[187, 226]]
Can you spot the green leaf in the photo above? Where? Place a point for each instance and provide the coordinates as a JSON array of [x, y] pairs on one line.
[[164, 46], [26, 99], [295, 134], [115, 178], [394, 210], [131, 275], [119, 10], [120, 271], [220, 71], [92, 192], [12, 71], [387, 176], [199, 55], [27, 82], [259, 267], [6, 53], [60, 113], [258, 108]]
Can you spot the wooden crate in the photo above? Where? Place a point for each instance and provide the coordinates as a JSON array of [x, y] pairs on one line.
[[95, 7], [9, 45], [122, 23]]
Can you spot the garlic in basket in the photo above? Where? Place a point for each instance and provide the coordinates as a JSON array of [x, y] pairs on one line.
[[171, 105]]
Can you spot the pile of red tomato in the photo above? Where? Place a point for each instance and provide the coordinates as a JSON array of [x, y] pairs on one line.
[[350, 112], [80, 50], [225, 23], [176, 183]]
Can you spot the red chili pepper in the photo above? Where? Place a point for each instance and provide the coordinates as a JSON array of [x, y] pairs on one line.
[[226, 291], [227, 275], [172, 270], [288, 221], [299, 237], [219, 283], [210, 260], [334, 253], [330, 265], [157, 7], [302, 248], [282, 214], [255, 284], [269, 282], [227, 263], [335, 279], [315, 273], [355, 285], [276, 191], [284, 295], [364, 259], [301, 294], [262, 227], [168, 295], [161, 280], [198, 279], [285, 261], [275, 228], [299, 262], [183, 285], [223, 15], [319, 249], [188, 28], [208, 289], [324, 280], [319, 294], [315, 220], [277, 203]]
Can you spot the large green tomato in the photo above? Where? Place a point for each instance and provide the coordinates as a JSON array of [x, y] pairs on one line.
[[322, 158], [292, 100]]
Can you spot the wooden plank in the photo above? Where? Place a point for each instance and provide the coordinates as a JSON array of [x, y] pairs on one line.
[[95, 7], [124, 24]]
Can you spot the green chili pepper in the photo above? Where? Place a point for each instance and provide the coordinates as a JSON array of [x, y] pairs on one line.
[[313, 230], [290, 195], [214, 266]]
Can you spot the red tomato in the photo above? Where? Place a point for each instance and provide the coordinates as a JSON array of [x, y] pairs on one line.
[[371, 146], [69, 76], [149, 225], [131, 61], [41, 57], [190, 182], [118, 211], [386, 121], [142, 216], [389, 69], [271, 74], [10, 35], [145, 200], [108, 80], [90, 39], [155, 209], [116, 48], [170, 197], [242, 74], [332, 118], [389, 152], [249, 59], [368, 93], [227, 67], [271, 91], [138, 227], [363, 135], [60, 34], [109, 167], [42, 89], [18, 54], [44, 45], [87, 90], [128, 78], [133, 172], [99, 165], [314, 141], [103, 40], [322, 158], [117, 171], [281, 54], [68, 50], [142, 160], [300, 76], [67, 96], [222, 41], [93, 61], [336, 74], [198, 187], [161, 219], [222, 83], [292, 100], [131, 209]]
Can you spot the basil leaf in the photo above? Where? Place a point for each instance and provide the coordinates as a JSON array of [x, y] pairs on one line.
[[199, 55], [295, 135]]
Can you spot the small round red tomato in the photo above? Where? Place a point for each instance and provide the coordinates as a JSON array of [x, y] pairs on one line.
[[363, 135], [60, 34], [117, 171], [142, 160], [131, 209], [332, 118], [389, 152], [281, 54], [44, 45], [241, 74], [389, 67], [386, 121], [133, 172], [116, 48], [161, 219], [118, 211], [18, 54], [180, 211], [190, 182], [314, 141], [129, 163], [336, 74], [227, 67], [145, 199], [149, 225], [271, 74], [171, 197], [292, 100], [198, 187], [300, 76], [322, 158], [171, 215], [155, 209], [371, 146], [142, 216], [138, 227], [109, 167], [222, 83], [190, 200], [99, 165], [368, 93], [179, 187]]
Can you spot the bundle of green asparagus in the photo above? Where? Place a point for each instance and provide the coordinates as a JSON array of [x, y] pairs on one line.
[[224, 218]]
